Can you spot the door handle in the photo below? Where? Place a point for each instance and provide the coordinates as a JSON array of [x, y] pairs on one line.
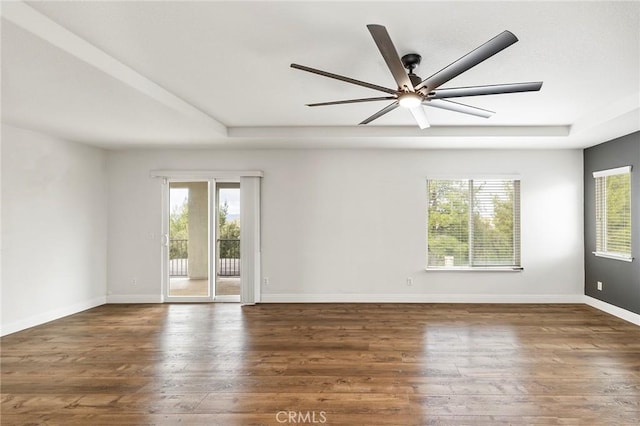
[[166, 240]]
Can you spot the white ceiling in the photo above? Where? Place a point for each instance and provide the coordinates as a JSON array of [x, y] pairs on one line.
[[216, 74]]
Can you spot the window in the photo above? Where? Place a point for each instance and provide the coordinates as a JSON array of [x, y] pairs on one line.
[[473, 224], [613, 213]]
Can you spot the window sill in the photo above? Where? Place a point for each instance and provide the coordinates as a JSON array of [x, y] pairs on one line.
[[474, 269], [613, 256]]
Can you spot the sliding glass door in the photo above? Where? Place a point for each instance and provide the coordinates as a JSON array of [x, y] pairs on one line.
[[201, 253]]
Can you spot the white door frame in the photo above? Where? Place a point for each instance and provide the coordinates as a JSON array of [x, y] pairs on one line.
[[166, 212]]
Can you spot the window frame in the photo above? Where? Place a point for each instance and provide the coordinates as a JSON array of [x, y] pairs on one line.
[[601, 217], [517, 224]]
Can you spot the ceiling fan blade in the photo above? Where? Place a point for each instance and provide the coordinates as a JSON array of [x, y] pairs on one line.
[[380, 113], [471, 59], [352, 101], [420, 116], [494, 89], [390, 55], [458, 107], [342, 78]]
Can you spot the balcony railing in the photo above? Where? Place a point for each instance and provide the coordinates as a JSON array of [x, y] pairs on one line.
[[178, 258], [229, 258]]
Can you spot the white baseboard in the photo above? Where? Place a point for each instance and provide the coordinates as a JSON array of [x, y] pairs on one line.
[[134, 298], [421, 298], [613, 310], [48, 316]]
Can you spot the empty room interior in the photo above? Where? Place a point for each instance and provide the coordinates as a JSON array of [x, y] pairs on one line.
[[298, 212]]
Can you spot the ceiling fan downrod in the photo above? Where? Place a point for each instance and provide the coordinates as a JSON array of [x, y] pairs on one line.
[[411, 61]]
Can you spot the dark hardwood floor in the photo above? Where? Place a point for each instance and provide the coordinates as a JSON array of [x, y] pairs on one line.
[[348, 364]]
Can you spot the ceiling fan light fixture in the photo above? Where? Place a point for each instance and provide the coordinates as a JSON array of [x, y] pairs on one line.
[[409, 100]]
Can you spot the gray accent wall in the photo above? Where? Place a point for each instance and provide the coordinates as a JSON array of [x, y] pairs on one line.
[[621, 280]]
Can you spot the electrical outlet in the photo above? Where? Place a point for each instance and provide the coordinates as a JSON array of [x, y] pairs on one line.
[[409, 281], [600, 285], [134, 281], [265, 281]]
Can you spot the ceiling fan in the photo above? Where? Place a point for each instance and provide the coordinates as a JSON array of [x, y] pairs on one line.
[[413, 92]]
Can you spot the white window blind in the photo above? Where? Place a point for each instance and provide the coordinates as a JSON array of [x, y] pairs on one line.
[[473, 223], [613, 212]]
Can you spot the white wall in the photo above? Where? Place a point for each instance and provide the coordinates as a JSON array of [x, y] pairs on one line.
[[349, 225], [54, 233]]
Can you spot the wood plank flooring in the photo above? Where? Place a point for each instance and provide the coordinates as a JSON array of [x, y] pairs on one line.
[[335, 364]]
